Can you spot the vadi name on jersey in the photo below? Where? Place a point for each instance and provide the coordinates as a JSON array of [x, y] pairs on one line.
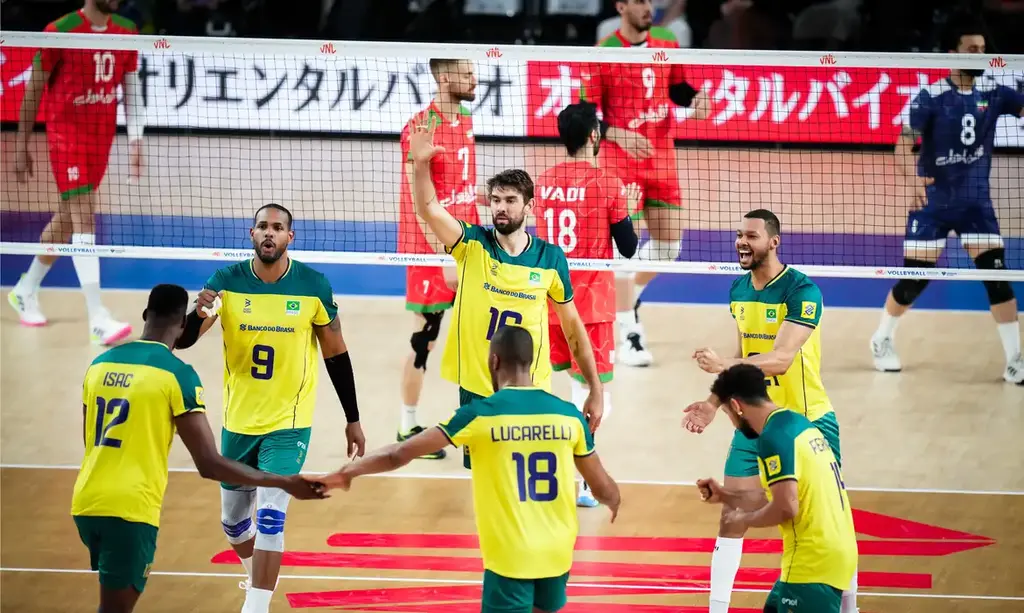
[[571, 194], [964, 157]]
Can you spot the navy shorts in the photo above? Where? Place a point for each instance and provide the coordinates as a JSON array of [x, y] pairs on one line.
[[973, 224]]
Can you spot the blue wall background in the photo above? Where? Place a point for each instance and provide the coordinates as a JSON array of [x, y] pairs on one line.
[[713, 246]]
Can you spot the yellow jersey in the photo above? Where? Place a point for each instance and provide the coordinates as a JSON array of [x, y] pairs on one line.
[[497, 289], [819, 545], [523, 441], [270, 348], [793, 297], [130, 397]]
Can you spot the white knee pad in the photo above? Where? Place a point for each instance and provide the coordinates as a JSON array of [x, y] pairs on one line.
[[580, 392], [661, 251], [236, 508], [271, 509]]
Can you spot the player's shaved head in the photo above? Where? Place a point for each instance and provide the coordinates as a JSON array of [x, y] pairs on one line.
[[577, 124], [511, 356], [741, 389]]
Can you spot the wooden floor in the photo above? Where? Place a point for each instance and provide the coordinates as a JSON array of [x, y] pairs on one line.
[[932, 455]]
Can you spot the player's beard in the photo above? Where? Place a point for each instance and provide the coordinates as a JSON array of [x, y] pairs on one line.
[[745, 429], [510, 226], [756, 259], [106, 7], [641, 26], [466, 96], [272, 257]]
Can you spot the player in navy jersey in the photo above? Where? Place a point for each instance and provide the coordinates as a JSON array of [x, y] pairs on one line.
[[955, 118]]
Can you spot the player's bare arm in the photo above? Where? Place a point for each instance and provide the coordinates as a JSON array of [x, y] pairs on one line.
[[442, 224], [579, 344], [386, 459], [339, 368], [432, 239], [713, 492], [784, 506], [194, 430], [633, 143], [601, 483], [790, 339], [23, 165], [700, 414], [134, 111], [906, 163]]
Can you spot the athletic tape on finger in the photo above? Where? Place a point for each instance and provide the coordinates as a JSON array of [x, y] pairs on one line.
[[214, 309]]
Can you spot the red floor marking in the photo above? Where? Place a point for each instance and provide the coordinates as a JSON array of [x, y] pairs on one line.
[[886, 526], [647, 544], [580, 569]]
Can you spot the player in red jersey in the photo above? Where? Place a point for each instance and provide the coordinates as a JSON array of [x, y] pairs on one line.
[[583, 208], [430, 290], [637, 104], [81, 121]]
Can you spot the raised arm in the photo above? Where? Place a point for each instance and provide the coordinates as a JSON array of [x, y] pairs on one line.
[[444, 226]]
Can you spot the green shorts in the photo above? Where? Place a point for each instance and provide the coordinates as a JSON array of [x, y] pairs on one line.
[[466, 397], [282, 452], [505, 595], [804, 598], [742, 458], [122, 551]]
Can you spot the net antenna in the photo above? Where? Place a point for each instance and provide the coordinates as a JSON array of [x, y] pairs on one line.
[[234, 123]]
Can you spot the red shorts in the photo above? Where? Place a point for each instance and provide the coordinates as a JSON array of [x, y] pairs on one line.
[[602, 339], [657, 176], [79, 161], [426, 291]]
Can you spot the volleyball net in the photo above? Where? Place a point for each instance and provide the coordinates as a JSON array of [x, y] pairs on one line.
[[232, 124]]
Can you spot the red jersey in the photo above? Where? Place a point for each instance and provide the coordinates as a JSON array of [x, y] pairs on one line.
[[82, 89], [454, 174], [577, 203], [635, 96]]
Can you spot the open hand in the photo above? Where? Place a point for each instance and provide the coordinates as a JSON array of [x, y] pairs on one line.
[[698, 416], [421, 141]]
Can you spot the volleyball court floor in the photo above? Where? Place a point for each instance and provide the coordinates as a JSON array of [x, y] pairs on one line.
[[932, 457]]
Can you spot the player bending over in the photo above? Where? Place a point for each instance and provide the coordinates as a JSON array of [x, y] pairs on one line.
[[522, 484], [778, 314], [956, 121], [81, 122], [807, 498], [505, 276], [637, 101], [430, 290], [134, 397], [582, 209], [273, 310]]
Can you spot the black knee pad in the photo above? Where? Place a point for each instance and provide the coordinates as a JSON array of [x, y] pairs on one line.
[[421, 340], [906, 291], [998, 291]]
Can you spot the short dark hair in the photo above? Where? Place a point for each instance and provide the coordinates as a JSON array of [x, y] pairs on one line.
[[743, 382], [514, 346], [273, 205], [167, 302], [576, 123], [771, 222], [438, 64], [514, 178], [959, 25]]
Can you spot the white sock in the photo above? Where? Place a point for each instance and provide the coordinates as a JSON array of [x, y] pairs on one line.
[[257, 600], [626, 320], [639, 291], [88, 269], [887, 326], [408, 418], [725, 563], [1009, 333], [33, 278], [247, 564], [850, 597]]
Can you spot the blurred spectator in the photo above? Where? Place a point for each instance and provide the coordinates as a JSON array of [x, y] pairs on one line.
[[198, 17], [831, 25], [1006, 18], [670, 14]]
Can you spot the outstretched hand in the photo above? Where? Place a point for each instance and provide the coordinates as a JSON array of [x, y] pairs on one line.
[[421, 141]]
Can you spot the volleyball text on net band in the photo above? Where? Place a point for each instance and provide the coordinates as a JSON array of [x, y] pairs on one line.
[[420, 51], [411, 259]]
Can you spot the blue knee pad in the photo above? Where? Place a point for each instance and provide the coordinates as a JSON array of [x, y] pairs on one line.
[[272, 506]]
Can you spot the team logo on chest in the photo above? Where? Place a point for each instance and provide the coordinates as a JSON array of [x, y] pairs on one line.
[[741, 312], [534, 278], [292, 307], [247, 308], [494, 269], [771, 316]]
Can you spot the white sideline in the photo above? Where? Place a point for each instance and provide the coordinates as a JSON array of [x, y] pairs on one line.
[[505, 53]]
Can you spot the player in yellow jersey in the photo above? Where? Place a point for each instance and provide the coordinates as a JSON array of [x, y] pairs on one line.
[[803, 494], [134, 397], [273, 311], [505, 276], [524, 444], [778, 311]]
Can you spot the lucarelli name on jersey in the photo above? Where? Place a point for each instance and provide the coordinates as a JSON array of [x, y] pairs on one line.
[[91, 97], [654, 115], [466, 196], [531, 433], [964, 157]]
